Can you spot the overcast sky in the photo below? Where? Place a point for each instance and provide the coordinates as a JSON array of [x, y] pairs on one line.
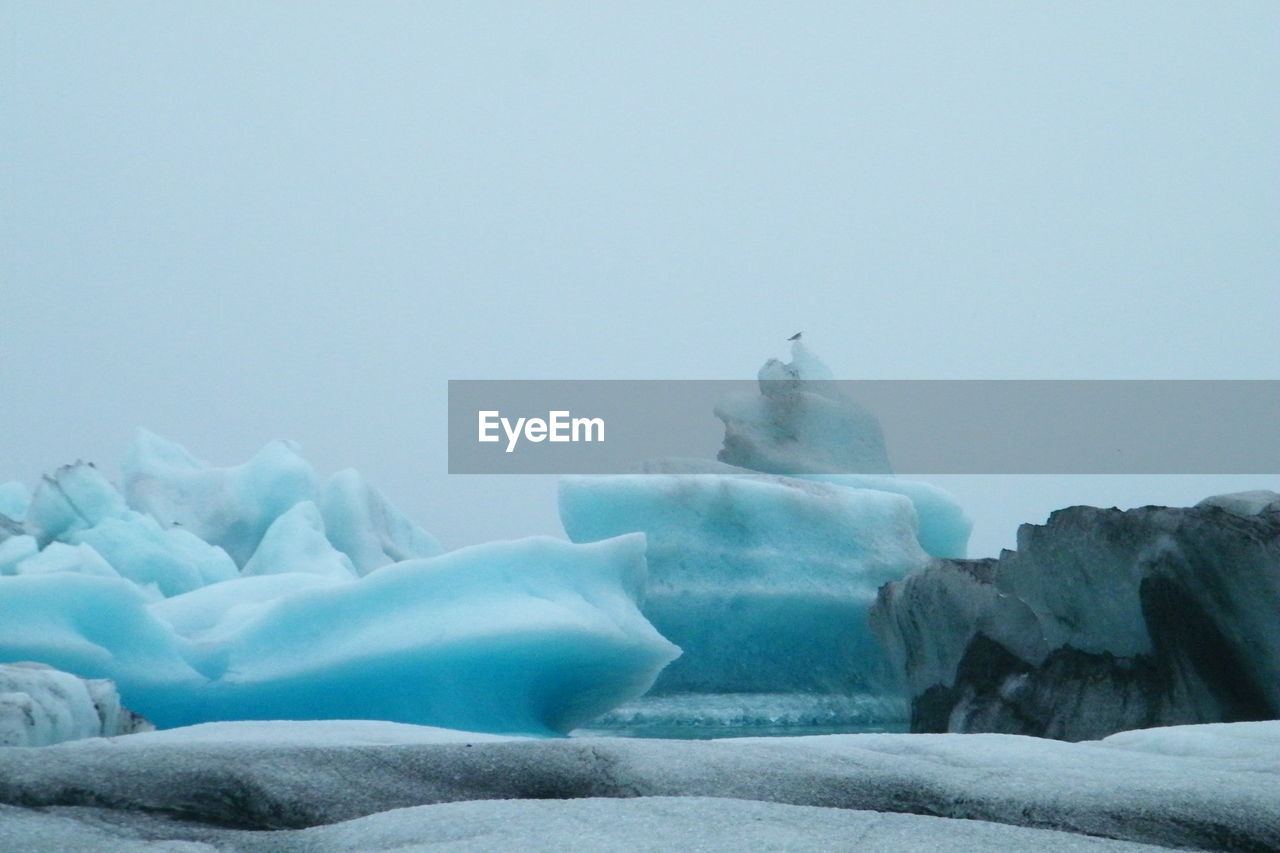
[[234, 222]]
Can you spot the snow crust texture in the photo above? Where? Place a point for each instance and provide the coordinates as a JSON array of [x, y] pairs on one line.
[[1102, 620], [1201, 787]]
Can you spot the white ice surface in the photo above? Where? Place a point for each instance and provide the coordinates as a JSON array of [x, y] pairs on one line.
[[598, 825], [1202, 787]]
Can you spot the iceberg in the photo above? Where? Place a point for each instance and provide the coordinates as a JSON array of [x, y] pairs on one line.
[[60, 557], [79, 507], [295, 542], [1102, 620], [763, 570], [75, 497], [250, 593], [14, 550], [171, 561], [800, 423], [364, 525], [227, 507], [40, 705], [535, 636], [763, 582], [14, 500]]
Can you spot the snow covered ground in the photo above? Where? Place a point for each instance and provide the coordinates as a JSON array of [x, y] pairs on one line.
[[335, 785]]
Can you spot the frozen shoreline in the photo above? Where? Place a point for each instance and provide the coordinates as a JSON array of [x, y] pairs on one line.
[[1204, 787]]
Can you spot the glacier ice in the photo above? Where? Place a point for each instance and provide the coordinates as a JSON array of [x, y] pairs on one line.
[[78, 506], [295, 542], [763, 570], [252, 591], [14, 550], [800, 423], [218, 610], [1102, 620], [942, 527], [534, 636], [1195, 787], [61, 557], [75, 497], [364, 525], [170, 561], [40, 705], [764, 582], [14, 500], [598, 824], [227, 507], [1253, 502]]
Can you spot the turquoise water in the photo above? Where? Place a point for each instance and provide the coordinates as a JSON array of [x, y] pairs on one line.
[[678, 732]]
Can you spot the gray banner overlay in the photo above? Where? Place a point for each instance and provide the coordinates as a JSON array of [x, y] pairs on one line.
[[929, 426]]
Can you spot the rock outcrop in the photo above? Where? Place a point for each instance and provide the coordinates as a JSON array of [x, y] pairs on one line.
[[1102, 620]]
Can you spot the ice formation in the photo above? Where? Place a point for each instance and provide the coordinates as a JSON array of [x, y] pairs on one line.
[[765, 580], [1102, 620], [378, 786], [40, 705], [364, 525], [255, 592], [14, 500], [800, 423]]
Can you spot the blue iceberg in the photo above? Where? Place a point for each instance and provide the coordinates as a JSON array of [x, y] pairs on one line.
[[221, 594], [763, 564]]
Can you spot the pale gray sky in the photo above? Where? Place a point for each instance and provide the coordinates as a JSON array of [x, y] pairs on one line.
[[232, 222]]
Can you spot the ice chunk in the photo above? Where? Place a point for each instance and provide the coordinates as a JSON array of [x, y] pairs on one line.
[[172, 561], [942, 527], [295, 542], [800, 423], [96, 627], [1102, 620], [1245, 503], [228, 507], [764, 582], [928, 620], [73, 498], [14, 500], [14, 550], [534, 636], [60, 557], [364, 525], [217, 611], [40, 705]]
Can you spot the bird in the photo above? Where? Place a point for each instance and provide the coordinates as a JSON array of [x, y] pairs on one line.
[[796, 336]]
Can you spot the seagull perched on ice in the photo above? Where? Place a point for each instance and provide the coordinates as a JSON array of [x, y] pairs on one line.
[[796, 336]]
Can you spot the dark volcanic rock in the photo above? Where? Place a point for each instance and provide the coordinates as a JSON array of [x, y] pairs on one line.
[[1103, 620]]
